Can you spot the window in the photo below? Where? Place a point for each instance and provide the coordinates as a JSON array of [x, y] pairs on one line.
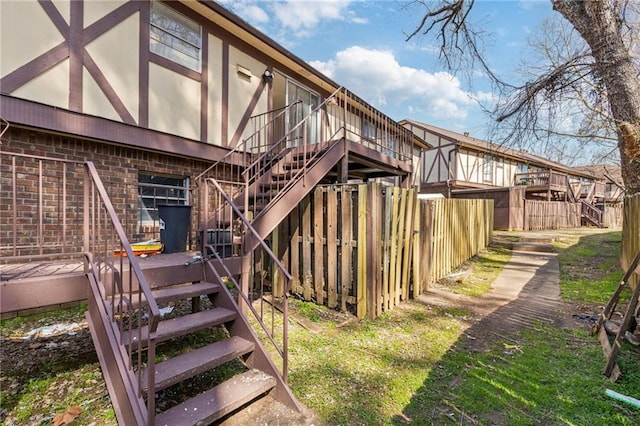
[[154, 190], [487, 169], [523, 168], [368, 130], [175, 37]]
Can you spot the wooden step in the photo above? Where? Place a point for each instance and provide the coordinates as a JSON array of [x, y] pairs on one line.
[[218, 401], [175, 327], [182, 367], [173, 293]]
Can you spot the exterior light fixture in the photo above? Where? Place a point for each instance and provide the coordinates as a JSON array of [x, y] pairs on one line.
[[267, 76]]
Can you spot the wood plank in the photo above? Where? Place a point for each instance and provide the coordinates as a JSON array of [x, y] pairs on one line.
[[332, 247], [346, 250], [426, 227], [189, 364], [386, 256], [408, 232], [416, 249], [285, 250], [393, 244], [307, 276], [400, 247], [373, 252], [361, 296], [318, 245], [606, 349], [218, 401], [294, 269], [168, 329]]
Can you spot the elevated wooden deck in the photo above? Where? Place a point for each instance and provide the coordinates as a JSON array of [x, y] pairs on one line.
[[26, 286]]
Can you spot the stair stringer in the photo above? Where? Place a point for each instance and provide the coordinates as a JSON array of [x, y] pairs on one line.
[[106, 342], [259, 358], [279, 208]]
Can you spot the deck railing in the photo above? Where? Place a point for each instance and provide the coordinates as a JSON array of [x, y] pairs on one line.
[[592, 213], [547, 178], [42, 213], [127, 307], [55, 208]]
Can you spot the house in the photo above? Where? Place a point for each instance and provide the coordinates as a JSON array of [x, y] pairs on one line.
[[614, 191], [459, 165], [110, 110]]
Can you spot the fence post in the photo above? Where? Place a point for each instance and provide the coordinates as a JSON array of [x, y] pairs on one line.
[[318, 245], [361, 294], [373, 251]]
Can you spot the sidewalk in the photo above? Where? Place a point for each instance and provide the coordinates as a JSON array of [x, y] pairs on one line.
[[526, 293]]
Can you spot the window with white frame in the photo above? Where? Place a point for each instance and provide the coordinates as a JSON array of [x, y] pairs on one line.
[[175, 37], [156, 189], [487, 169]]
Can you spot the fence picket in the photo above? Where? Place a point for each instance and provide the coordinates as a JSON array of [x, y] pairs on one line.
[[365, 248], [318, 245]]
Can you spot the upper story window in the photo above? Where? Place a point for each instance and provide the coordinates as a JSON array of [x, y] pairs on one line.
[[368, 130], [487, 170], [175, 37], [523, 168]]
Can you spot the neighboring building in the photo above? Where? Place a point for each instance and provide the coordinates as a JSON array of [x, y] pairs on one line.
[[463, 166], [612, 202]]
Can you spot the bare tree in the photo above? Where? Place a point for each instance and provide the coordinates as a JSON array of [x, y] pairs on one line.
[[597, 75]]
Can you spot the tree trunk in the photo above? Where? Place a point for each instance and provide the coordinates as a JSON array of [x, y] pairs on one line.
[[597, 23]]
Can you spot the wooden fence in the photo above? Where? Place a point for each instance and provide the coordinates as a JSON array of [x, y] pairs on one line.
[[539, 215], [461, 229], [365, 248], [612, 216], [631, 234]]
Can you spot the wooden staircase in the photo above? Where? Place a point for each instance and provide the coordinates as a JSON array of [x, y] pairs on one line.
[[130, 335], [256, 374]]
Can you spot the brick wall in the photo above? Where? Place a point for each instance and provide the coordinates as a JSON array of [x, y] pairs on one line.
[[117, 166]]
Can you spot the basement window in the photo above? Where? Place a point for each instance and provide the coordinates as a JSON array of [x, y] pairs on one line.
[[175, 37], [156, 189]]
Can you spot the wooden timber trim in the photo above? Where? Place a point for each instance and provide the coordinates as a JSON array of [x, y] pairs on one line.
[[76, 56], [34, 68], [225, 94], [204, 89], [246, 117], [30, 114], [143, 70], [107, 89]]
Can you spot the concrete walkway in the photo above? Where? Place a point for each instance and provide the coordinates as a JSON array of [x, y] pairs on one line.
[[526, 293]]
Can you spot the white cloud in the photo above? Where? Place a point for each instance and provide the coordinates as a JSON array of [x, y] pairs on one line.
[[376, 76], [252, 13], [303, 16]]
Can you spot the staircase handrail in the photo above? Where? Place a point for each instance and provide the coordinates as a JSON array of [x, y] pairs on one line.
[[570, 193], [241, 146], [143, 285], [269, 152], [591, 211], [287, 275]]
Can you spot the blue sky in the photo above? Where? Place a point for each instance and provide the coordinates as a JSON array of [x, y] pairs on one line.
[[361, 45]]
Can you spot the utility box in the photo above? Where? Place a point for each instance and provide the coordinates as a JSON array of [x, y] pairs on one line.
[[175, 220]]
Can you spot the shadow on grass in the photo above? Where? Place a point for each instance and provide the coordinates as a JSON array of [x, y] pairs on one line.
[[526, 363]]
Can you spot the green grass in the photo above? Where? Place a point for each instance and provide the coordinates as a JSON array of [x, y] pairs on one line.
[[409, 366], [590, 266], [554, 378], [485, 266]]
